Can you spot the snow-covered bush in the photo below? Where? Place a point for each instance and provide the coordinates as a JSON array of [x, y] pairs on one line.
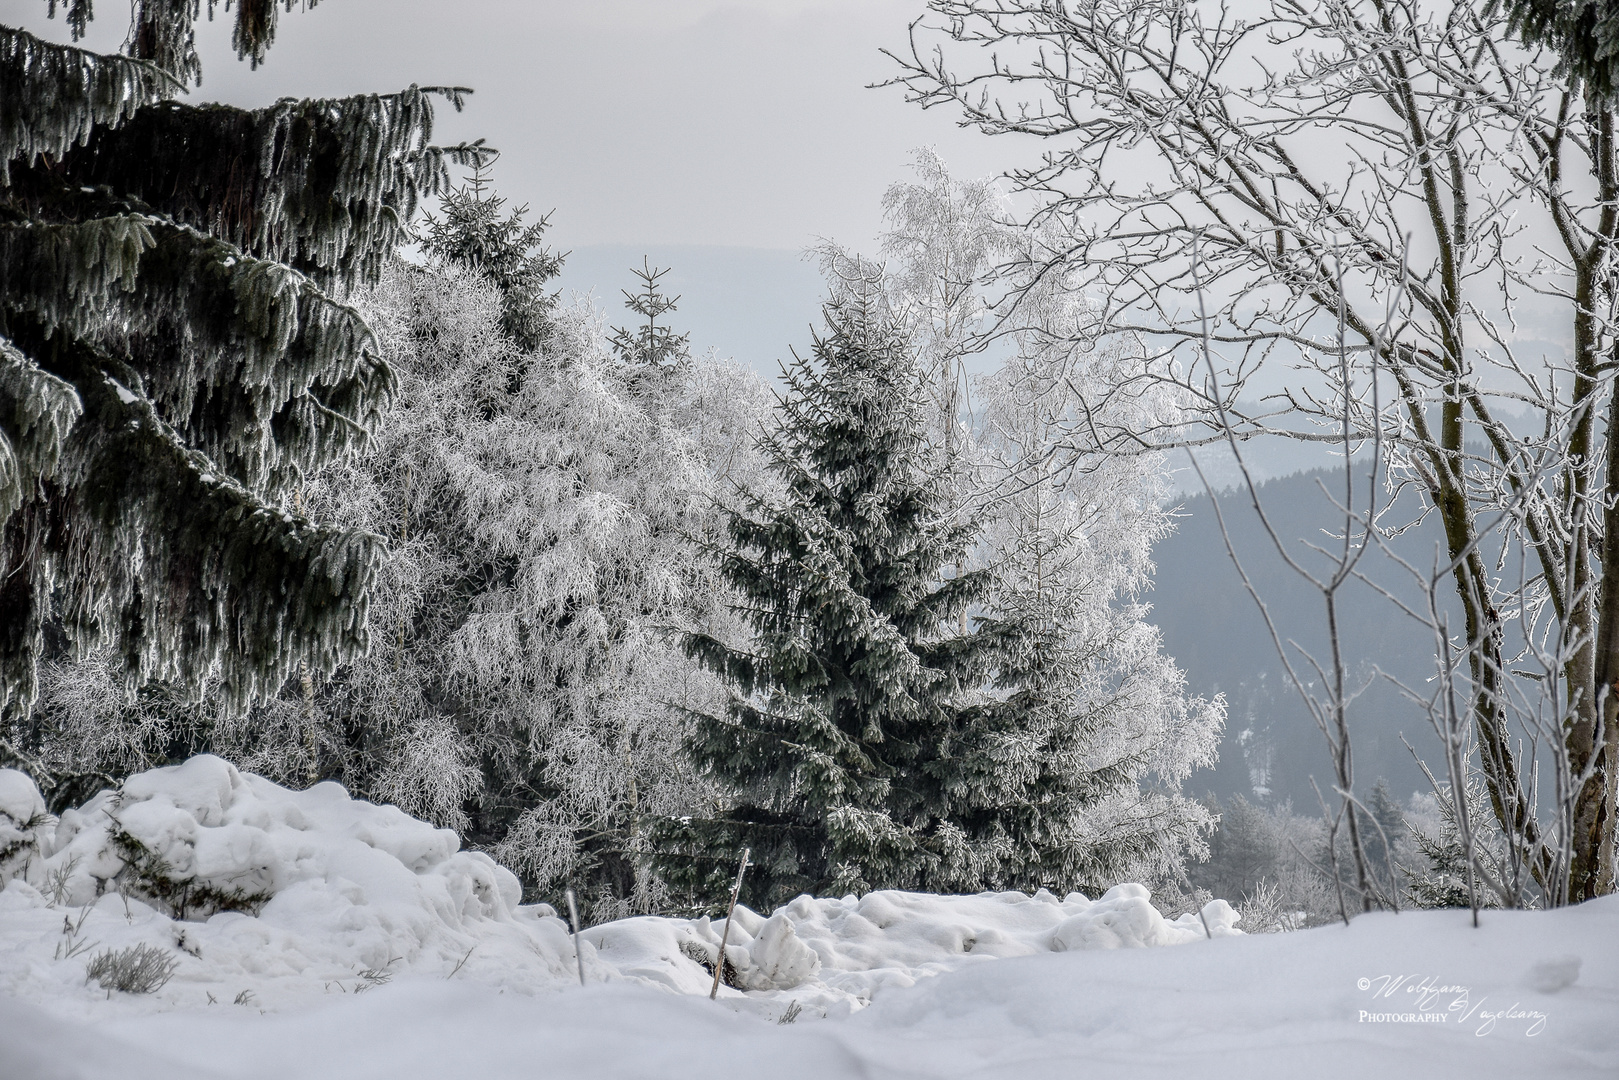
[[210, 828], [22, 815]]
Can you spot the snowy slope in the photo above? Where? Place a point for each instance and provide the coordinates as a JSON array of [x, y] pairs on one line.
[[371, 946]]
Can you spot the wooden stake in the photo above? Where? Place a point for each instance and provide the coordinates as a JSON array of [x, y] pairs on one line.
[[579, 957], [736, 890]]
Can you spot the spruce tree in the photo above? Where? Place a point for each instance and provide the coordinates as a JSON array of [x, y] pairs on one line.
[[837, 741], [655, 356], [475, 233], [1385, 836], [1055, 762], [176, 354], [1584, 32]]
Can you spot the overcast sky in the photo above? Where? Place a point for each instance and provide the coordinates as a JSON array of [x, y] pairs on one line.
[[643, 122]]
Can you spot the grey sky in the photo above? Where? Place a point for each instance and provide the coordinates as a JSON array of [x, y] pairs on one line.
[[684, 129], [643, 122]]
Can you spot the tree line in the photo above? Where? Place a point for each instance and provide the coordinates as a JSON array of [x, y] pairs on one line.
[[587, 598]]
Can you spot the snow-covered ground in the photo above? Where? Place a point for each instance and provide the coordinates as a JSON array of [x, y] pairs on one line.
[[369, 945]]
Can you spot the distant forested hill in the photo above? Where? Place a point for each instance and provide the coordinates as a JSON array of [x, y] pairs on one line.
[[1212, 627]]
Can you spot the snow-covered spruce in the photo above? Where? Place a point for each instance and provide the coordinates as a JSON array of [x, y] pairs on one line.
[[1081, 740], [270, 897], [176, 355]]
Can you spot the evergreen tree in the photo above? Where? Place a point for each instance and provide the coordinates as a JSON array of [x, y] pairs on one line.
[[1584, 32], [1440, 879], [525, 672], [655, 355], [1076, 754], [838, 741], [1244, 851], [175, 355], [1384, 836], [474, 233]]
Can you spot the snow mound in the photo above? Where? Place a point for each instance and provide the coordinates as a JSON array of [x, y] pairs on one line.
[[204, 836], [836, 954], [266, 891], [20, 801], [22, 811], [294, 903], [265, 896]]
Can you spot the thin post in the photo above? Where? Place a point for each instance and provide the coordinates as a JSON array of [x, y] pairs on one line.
[[736, 890], [579, 957]]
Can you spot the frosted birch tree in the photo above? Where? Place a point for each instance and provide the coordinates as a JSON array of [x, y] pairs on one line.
[[1255, 179]]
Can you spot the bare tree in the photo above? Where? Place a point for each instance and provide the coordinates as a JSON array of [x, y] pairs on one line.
[[1318, 161]]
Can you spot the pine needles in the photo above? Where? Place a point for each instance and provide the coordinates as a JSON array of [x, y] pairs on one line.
[[176, 358]]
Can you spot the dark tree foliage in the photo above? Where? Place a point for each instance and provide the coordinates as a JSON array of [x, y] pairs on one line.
[[1441, 880], [176, 353], [162, 30], [838, 742], [475, 233], [1384, 833], [1242, 853], [1585, 32]]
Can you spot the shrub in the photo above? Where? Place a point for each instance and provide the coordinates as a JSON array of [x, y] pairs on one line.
[[139, 969]]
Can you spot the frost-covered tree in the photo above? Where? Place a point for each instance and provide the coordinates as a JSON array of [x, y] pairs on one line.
[[176, 357], [543, 520], [526, 684], [476, 232], [656, 357], [557, 507], [1272, 863], [838, 745], [1088, 711], [1584, 32], [942, 237], [1302, 200]]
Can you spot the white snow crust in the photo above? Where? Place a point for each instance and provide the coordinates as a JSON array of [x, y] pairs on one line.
[[369, 944]]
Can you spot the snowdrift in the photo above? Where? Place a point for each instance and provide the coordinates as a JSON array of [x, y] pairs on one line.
[[313, 935], [278, 895]]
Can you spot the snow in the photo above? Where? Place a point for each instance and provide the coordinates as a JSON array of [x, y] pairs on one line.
[[371, 945]]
